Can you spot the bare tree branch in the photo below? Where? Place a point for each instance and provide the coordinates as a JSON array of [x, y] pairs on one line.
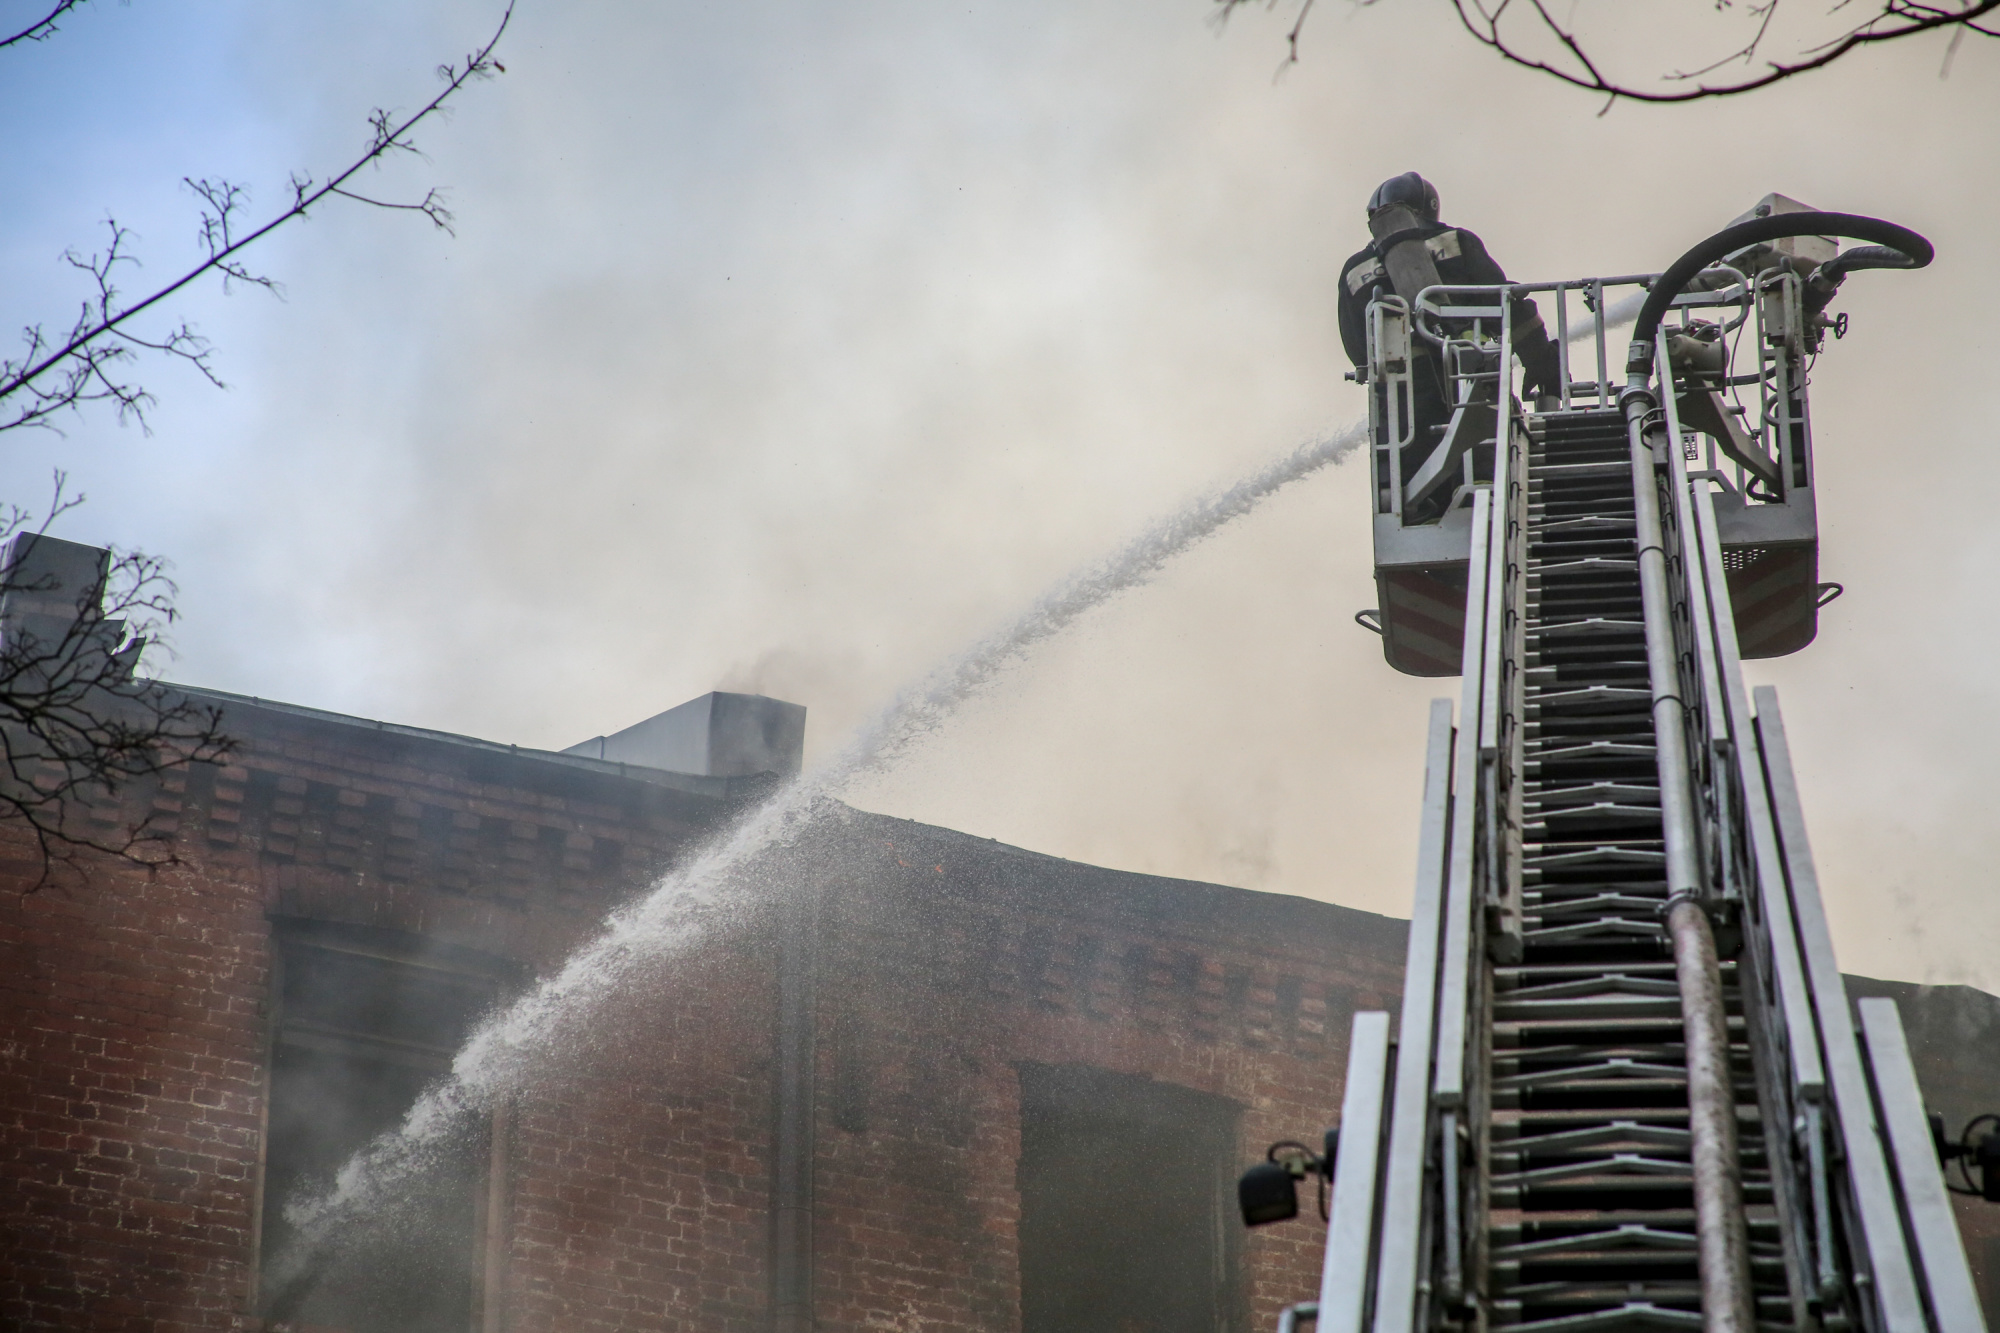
[[43, 28], [1891, 20], [77, 724], [57, 373], [1512, 27], [86, 374]]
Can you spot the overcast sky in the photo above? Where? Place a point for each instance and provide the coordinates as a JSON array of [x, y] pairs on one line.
[[788, 347]]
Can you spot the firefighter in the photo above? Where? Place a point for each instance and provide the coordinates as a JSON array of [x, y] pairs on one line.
[[1410, 251], [1404, 208]]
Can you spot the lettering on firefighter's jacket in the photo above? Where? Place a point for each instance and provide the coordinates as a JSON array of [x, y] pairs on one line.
[[1364, 275]]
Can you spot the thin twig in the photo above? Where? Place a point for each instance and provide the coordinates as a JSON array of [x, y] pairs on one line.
[[1770, 11], [83, 350], [1944, 66], [1292, 37], [42, 29]]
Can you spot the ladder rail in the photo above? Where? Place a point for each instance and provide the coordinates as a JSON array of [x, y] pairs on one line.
[[1774, 911], [1948, 1285], [1868, 1196], [1448, 1087], [1350, 1228], [1789, 1074], [1399, 1253], [1870, 1188]]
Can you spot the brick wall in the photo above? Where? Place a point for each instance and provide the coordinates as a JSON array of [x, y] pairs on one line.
[[133, 1034], [634, 1180], [131, 1052], [641, 1195], [635, 1184], [948, 961]]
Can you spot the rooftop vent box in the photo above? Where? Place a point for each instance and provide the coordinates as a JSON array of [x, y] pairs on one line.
[[719, 735], [47, 578], [51, 609]]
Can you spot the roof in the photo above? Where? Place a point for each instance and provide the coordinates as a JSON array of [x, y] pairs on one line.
[[692, 783]]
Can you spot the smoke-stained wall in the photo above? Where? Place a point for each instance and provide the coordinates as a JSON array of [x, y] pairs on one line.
[[633, 1185], [987, 1049], [957, 974]]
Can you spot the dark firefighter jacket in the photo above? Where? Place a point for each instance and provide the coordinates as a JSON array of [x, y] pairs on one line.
[[1460, 257]]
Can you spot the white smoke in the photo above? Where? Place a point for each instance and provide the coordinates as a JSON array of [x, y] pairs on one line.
[[505, 1049]]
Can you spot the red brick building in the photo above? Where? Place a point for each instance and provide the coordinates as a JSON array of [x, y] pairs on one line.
[[924, 1082]]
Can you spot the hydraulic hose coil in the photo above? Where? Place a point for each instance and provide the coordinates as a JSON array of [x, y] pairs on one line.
[[1894, 247]]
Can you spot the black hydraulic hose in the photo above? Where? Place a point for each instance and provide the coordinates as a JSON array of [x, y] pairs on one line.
[[1895, 247]]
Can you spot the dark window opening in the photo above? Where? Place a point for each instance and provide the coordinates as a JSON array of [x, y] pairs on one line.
[[1125, 1189], [363, 1025]]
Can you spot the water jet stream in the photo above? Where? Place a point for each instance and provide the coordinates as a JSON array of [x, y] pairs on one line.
[[506, 1047], [1616, 315]]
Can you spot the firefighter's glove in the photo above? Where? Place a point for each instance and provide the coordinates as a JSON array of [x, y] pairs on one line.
[[1541, 372]]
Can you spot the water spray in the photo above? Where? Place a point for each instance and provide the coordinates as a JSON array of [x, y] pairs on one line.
[[503, 1050]]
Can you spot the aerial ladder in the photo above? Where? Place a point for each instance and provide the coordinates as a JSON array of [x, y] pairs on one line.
[[1626, 1089]]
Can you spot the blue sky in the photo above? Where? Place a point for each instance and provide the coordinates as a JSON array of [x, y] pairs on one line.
[[789, 347]]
